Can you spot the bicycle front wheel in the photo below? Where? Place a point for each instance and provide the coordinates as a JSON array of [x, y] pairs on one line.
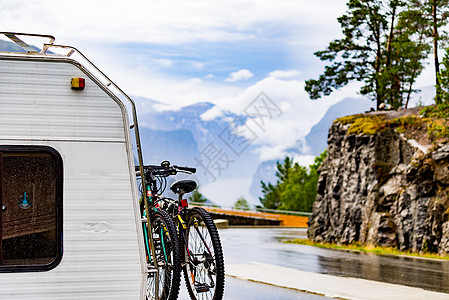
[[204, 272], [168, 255]]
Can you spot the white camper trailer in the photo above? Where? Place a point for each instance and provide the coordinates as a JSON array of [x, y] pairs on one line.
[[70, 226]]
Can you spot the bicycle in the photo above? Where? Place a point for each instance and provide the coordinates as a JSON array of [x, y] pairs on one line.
[[202, 254], [163, 282]]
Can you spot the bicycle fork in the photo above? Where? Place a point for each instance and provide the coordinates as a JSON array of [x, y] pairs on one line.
[[187, 255], [149, 242]]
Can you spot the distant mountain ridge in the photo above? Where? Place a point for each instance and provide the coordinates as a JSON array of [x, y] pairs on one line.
[[178, 146], [316, 140], [317, 137], [184, 138], [12, 47]]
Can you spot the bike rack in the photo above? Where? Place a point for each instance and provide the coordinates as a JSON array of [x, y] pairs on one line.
[[30, 50]]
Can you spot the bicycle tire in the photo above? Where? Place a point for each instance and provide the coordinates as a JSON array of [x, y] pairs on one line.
[[168, 253], [204, 272]]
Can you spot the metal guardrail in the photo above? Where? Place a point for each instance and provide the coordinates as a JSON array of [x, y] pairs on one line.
[[263, 210], [285, 212]]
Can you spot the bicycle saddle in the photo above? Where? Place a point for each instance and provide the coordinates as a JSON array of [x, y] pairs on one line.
[[183, 186]]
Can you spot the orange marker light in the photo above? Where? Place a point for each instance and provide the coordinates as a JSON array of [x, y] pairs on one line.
[[78, 83]]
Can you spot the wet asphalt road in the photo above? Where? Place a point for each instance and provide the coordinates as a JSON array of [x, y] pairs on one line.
[[243, 245], [237, 289]]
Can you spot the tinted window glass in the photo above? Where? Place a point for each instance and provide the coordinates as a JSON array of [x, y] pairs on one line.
[[31, 208]]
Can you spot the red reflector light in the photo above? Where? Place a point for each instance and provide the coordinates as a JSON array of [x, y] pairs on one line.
[[149, 193], [184, 203], [78, 83]]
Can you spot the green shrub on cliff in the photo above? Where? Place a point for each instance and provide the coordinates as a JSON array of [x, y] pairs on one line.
[[437, 118]]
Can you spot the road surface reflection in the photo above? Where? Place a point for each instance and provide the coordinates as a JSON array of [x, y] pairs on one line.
[[265, 245]]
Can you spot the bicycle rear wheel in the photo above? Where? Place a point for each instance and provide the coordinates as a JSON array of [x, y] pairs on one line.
[[204, 272], [168, 254]]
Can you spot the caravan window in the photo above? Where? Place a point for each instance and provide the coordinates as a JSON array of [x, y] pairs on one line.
[[31, 208]]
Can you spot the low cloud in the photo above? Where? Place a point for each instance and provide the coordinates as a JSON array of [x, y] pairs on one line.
[[239, 75], [284, 74], [287, 127], [161, 22]]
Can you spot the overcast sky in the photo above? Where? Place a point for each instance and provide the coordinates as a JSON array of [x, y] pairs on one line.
[[183, 52]]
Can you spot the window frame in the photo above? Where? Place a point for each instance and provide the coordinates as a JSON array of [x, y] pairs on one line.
[[58, 207]]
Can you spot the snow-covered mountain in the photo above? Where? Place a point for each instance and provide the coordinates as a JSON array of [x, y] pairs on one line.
[[184, 138], [316, 140], [232, 155]]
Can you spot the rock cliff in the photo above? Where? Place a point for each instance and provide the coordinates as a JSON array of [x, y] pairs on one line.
[[384, 182]]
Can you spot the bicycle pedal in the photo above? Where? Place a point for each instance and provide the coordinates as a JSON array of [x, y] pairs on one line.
[[202, 288], [151, 270], [160, 264]]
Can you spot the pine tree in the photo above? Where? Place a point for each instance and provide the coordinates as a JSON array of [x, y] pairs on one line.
[[364, 51], [406, 52], [270, 197], [433, 15], [197, 197], [443, 77], [412, 46], [384, 45], [241, 204], [295, 188]]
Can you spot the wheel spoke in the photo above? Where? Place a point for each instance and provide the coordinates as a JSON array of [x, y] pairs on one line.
[[203, 242], [167, 253]]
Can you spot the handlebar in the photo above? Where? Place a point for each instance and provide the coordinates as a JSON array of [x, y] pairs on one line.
[[165, 170], [187, 169]]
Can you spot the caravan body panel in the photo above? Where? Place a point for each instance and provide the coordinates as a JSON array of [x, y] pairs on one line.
[[101, 230]]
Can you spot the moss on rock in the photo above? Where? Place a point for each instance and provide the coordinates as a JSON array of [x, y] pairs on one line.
[[366, 124]]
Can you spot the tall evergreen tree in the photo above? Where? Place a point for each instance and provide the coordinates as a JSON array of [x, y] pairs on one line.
[[433, 15], [296, 186], [406, 52], [270, 197], [412, 46], [364, 51], [443, 77], [197, 197]]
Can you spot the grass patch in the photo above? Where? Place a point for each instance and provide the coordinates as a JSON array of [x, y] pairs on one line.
[[438, 129], [434, 119], [368, 125], [367, 249], [437, 118], [372, 124], [348, 119], [403, 124], [363, 124]]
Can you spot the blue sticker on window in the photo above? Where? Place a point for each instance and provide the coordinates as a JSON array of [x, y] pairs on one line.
[[25, 201]]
